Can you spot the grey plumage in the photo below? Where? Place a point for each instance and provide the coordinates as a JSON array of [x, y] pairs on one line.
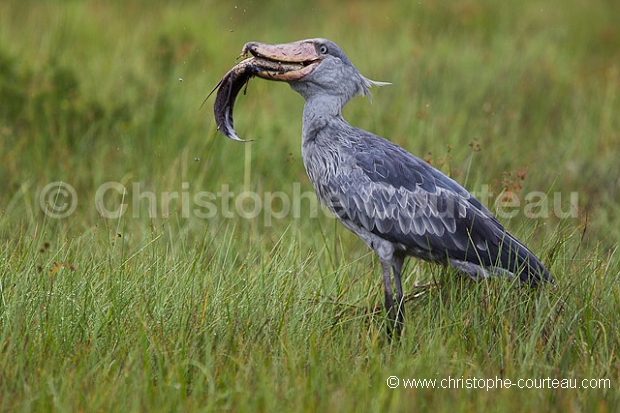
[[396, 203]]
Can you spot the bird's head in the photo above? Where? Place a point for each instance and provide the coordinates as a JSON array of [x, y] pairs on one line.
[[313, 67]]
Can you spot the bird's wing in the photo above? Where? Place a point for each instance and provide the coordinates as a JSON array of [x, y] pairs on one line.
[[385, 190]]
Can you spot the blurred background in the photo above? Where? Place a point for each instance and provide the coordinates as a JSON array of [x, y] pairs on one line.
[[518, 97]]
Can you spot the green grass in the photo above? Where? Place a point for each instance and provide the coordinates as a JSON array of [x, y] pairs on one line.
[[176, 306]]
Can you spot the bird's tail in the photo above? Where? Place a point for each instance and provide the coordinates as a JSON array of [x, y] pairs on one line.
[[516, 258]]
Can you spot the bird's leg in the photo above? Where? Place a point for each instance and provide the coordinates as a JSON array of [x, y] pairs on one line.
[[389, 297], [397, 266]]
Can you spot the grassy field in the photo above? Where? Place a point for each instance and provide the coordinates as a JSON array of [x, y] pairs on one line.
[[147, 263]]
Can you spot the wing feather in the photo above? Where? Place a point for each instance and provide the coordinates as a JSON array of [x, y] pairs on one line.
[[374, 186]]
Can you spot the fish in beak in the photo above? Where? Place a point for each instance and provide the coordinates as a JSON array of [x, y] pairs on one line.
[[281, 62]]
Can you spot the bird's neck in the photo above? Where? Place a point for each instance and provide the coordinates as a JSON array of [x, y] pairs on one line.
[[320, 112]]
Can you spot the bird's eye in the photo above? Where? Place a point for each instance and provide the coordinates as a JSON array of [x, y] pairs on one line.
[[323, 49]]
